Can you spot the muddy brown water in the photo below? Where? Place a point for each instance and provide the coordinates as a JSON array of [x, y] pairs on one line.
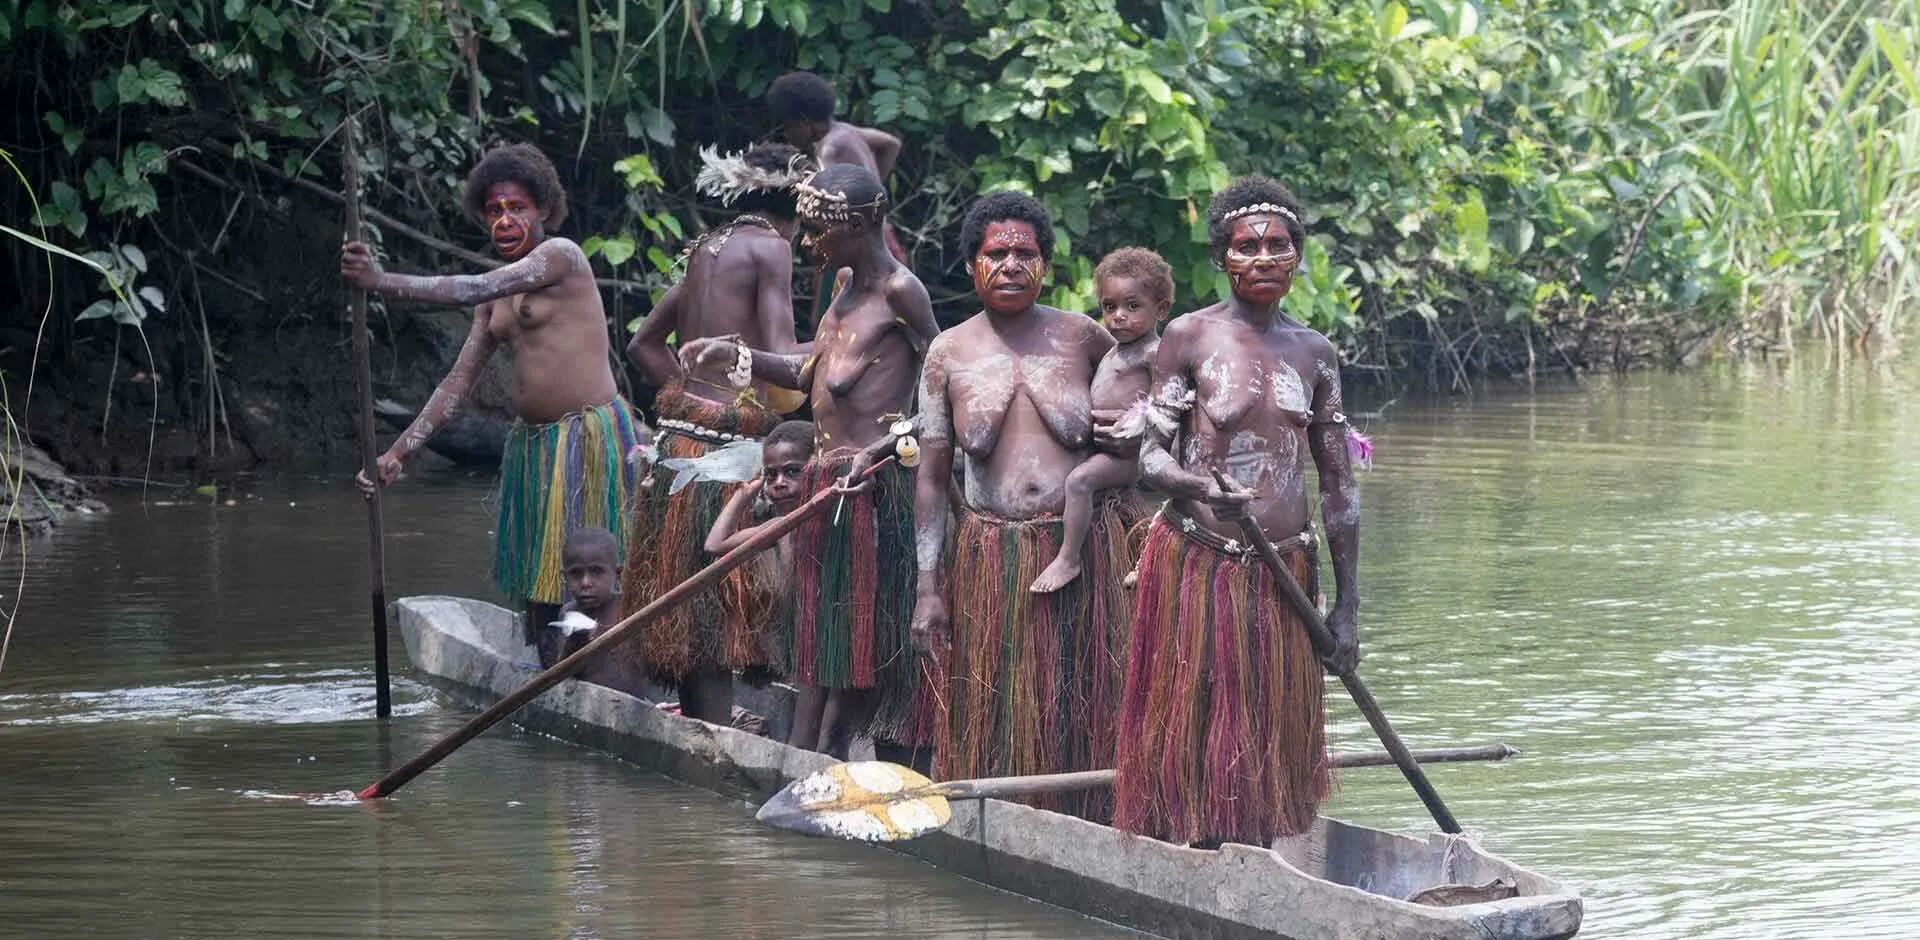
[[1692, 600]]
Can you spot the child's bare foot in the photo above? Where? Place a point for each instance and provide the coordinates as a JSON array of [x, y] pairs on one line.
[[1058, 575]]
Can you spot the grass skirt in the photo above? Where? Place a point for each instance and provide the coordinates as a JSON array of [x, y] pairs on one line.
[[725, 626], [854, 583], [554, 479], [1222, 731], [1033, 681]]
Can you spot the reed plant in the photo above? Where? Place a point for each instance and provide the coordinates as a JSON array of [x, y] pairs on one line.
[[1806, 116]]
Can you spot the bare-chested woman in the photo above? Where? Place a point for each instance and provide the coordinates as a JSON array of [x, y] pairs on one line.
[[855, 574], [563, 469], [738, 283], [1033, 680], [1222, 735]]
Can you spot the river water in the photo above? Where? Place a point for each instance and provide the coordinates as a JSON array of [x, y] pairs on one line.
[[1691, 600]]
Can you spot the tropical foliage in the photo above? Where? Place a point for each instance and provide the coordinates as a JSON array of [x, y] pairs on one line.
[[1492, 185]]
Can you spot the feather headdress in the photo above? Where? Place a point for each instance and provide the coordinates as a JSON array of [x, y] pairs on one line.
[[727, 177]]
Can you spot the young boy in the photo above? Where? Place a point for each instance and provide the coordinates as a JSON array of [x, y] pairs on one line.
[[590, 567], [1136, 290], [784, 456]]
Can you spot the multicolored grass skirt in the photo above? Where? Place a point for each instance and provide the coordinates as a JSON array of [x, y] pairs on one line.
[[725, 626], [1033, 681], [1222, 732], [854, 579], [554, 479]]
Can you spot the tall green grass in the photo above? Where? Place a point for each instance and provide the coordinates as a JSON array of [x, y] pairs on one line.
[[1806, 116]]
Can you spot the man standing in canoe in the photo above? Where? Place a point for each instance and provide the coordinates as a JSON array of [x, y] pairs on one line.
[[855, 576], [1222, 732], [564, 466], [1032, 680], [738, 284], [804, 104]]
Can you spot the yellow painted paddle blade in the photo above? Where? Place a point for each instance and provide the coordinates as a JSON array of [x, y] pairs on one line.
[[870, 801]]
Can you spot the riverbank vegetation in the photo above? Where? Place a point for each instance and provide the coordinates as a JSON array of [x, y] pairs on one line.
[[1495, 188]]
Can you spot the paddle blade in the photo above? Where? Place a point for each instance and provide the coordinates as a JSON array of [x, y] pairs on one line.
[[869, 801]]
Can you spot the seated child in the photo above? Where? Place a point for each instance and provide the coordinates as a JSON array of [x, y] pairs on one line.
[[1135, 287]]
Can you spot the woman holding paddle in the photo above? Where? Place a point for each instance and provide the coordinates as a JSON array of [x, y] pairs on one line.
[[1221, 729], [563, 467]]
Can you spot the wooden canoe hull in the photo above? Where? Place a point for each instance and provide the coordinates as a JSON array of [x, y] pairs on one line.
[[1338, 881]]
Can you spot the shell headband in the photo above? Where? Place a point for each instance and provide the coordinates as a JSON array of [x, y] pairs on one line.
[[1259, 207], [728, 177], [832, 208]]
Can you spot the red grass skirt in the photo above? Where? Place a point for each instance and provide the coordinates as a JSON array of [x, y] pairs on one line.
[[725, 626], [1033, 681], [1222, 733], [854, 579]]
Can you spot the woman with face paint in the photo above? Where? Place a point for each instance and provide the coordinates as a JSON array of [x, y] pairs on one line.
[[1222, 733], [1032, 680], [564, 467]]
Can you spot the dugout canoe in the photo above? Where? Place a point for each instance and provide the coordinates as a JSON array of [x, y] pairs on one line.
[[1338, 881]]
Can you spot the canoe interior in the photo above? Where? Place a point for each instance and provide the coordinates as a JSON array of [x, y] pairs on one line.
[[1340, 880]]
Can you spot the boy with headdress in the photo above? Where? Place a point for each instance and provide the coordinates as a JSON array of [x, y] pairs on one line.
[[850, 632], [738, 283], [563, 468]]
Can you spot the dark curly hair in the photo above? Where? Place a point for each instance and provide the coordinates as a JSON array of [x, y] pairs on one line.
[[1247, 191], [1005, 206], [515, 163], [1141, 264], [791, 432], [858, 184], [773, 158], [801, 96]]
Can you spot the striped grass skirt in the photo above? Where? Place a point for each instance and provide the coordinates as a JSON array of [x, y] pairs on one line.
[[1222, 731], [854, 581], [725, 626], [555, 479], [1033, 681]]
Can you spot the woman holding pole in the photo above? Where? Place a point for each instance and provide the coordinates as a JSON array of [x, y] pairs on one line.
[[1222, 733], [564, 467]]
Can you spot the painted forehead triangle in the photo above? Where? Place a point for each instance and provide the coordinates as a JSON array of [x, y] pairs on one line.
[[1259, 228], [1012, 233]]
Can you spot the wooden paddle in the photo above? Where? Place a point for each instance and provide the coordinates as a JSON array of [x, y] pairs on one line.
[[369, 454], [874, 801], [1362, 697], [565, 668]]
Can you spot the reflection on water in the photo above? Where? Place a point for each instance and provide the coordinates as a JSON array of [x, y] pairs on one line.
[[186, 710], [1690, 600]]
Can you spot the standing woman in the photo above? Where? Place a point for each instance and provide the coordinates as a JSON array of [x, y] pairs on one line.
[[564, 466], [1222, 729], [1031, 680]]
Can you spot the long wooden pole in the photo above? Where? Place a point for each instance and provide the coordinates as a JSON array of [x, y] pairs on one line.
[[369, 460], [1356, 687], [994, 787], [674, 597]]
